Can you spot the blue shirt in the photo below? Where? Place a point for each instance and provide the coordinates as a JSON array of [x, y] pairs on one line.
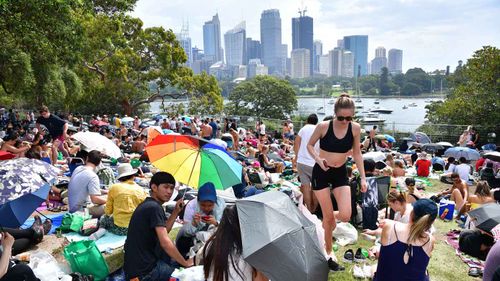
[[214, 128]]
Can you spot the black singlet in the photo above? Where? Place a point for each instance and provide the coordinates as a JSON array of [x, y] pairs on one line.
[[331, 143]]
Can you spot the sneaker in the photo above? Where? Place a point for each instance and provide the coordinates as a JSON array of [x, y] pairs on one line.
[[359, 257], [367, 270], [334, 266], [349, 256], [357, 271]]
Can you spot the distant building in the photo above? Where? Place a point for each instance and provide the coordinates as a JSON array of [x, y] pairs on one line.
[[379, 61], [302, 35], [220, 71], [185, 42], [335, 56], [340, 43], [380, 52], [301, 60], [235, 45], [395, 61], [212, 40], [239, 71], [255, 67], [324, 65], [197, 53], [254, 49], [358, 45], [285, 61], [198, 66], [348, 64], [270, 37], [317, 53]]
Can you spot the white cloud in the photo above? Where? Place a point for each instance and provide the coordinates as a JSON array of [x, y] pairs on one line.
[[432, 33]]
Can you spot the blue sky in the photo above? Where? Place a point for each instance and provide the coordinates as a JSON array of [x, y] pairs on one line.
[[431, 33]]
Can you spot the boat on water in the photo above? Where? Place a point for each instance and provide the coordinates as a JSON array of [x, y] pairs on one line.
[[413, 104], [359, 106], [382, 110], [377, 101], [358, 100], [405, 107], [319, 108], [371, 118], [331, 101], [428, 100]]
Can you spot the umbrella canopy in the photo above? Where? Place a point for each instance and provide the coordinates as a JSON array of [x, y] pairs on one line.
[[380, 137], [492, 155], [432, 147], [445, 144], [375, 155], [127, 119], [279, 240], [390, 138], [24, 185], [153, 132], [101, 123], [457, 152], [420, 137], [96, 141], [4, 155], [194, 161], [187, 119], [487, 216], [167, 131]]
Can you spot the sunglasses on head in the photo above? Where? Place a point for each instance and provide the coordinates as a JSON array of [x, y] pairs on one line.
[[346, 118]]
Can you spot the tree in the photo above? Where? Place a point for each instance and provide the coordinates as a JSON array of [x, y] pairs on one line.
[[411, 89], [366, 83], [419, 77], [263, 96], [205, 95], [383, 86], [475, 98]]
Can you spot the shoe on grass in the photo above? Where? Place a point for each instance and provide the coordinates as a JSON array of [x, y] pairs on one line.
[[349, 256], [333, 266], [359, 257]]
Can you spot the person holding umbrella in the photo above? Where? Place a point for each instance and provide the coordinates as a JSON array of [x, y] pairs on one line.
[[222, 254], [338, 138]]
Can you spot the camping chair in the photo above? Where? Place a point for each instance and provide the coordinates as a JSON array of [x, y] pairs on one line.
[[383, 187], [257, 180]]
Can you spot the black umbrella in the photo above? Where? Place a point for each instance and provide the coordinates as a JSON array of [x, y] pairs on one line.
[[432, 147], [492, 155], [486, 217]]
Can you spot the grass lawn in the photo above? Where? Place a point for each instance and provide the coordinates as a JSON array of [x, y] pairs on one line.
[[444, 264]]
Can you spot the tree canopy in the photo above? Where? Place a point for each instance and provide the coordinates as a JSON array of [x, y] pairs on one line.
[[263, 96]]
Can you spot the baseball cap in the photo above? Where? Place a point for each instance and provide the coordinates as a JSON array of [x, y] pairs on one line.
[[207, 192], [424, 207]]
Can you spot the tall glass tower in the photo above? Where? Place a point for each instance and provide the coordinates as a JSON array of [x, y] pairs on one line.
[[358, 45], [270, 37], [302, 35], [212, 40], [235, 43]]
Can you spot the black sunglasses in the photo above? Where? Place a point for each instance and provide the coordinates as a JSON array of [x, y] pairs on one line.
[[342, 118]]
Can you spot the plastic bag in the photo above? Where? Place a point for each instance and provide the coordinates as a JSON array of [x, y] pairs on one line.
[[45, 266], [345, 234], [85, 258], [194, 273]]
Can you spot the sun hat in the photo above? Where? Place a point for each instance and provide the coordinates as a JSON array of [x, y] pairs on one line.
[[423, 155], [207, 192], [424, 207], [125, 170]]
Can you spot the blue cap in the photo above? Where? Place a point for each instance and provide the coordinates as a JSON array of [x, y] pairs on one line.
[[424, 207], [207, 192]]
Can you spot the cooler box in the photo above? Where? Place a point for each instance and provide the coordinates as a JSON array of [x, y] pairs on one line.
[[446, 206]]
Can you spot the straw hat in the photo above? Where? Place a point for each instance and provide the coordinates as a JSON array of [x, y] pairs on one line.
[[125, 170]]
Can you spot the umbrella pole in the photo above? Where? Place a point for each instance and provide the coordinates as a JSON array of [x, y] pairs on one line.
[[194, 165], [42, 214]]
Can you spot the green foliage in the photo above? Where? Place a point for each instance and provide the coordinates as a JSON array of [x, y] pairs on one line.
[[263, 96], [205, 95], [366, 83], [411, 89], [476, 95], [383, 86]]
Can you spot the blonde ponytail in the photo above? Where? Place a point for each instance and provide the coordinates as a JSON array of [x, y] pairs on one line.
[[419, 227]]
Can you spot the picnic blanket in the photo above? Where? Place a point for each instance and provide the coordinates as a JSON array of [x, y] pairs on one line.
[[106, 243], [452, 240], [56, 222]]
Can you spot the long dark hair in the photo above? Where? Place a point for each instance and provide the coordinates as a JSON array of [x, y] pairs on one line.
[[221, 247]]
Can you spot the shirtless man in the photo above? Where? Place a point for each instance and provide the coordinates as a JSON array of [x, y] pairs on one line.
[[139, 145], [206, 130], [459, 192]]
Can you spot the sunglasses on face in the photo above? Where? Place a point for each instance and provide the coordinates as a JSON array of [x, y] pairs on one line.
[[346, 118]]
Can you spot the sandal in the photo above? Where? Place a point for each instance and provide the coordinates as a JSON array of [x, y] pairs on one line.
[[63, 208], [475, 272]]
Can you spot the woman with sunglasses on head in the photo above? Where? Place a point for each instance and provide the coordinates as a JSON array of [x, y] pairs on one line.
[[337, 138]]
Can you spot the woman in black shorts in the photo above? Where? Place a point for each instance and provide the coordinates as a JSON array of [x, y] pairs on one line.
[[336, 140]]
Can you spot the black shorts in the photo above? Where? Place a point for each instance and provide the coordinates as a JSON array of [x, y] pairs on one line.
[[332, 178]]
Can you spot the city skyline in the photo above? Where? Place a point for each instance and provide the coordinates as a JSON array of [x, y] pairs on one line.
[[432, 34]]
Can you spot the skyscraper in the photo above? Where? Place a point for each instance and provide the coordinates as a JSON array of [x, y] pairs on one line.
[[335, 56], [317, 53], [324, 65], [254, 49], [270, 38], [379, 61], [395, 61], [212, 40], [347, 64], [301, 59], [358, 45], [302, 35], [235, 45]]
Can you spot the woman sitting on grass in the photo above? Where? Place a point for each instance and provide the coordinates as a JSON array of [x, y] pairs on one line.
[[406, 248], [399, 168], [481, 196]]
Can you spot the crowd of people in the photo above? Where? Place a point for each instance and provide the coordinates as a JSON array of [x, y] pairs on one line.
[[336, 180]]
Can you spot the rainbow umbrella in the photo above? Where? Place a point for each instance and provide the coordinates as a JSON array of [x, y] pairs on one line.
[[194, 161]]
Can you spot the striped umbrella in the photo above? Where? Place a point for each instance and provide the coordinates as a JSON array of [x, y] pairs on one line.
[[194, 161]]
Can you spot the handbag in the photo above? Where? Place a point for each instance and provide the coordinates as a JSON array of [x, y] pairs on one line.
[[84, 257]]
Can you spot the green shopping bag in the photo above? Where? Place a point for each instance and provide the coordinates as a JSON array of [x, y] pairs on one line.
[[85, 258], [72, 222]]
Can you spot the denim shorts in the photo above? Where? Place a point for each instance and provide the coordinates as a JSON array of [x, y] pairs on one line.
[[162, 271]]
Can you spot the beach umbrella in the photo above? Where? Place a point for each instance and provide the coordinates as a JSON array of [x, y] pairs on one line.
[[167, 131], [375, 155], [279, 240], [24, 185], [380, 137], [4, 155], [127, 119], [187, 119], [489, 146], [194, 161], [96, 141], [492, 155], [445, 144], [420, 137], [457, 152], [486, 217], [390, 138], [153, 132], [432, 147]]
